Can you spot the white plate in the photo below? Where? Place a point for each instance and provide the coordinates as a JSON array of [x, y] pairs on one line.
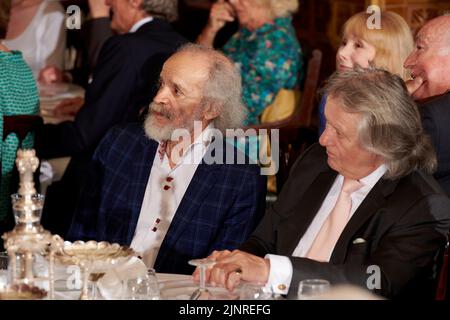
[[59, 90]]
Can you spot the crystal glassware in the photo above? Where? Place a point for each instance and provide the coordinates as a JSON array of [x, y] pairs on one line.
[[312, 288], [202, 292], [93, 258], [143, 287]]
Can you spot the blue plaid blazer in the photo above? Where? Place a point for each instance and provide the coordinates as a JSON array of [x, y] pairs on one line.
[[221, 207]]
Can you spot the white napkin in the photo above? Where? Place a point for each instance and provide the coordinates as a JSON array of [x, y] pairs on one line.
[[46, 176], [113, 284]]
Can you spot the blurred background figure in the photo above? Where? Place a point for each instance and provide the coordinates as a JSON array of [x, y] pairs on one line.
[[384, 48], [18, 95], [37, 28], [97, 30], [429, 63], [265, 48], [87, 43]]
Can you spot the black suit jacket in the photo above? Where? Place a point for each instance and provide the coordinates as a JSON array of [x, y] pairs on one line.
[[404, 223], [436, 122], [124, 82]]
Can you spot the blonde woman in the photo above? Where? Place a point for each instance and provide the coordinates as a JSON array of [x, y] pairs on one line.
[[385, 48]]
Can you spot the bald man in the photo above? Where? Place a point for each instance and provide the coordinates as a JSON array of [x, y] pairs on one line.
[[430, 71]]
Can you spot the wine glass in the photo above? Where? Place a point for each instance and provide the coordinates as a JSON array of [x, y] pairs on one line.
[[93, 279], [4, 263], [312, 288], [255, 291], [202, 264], [143, 287]]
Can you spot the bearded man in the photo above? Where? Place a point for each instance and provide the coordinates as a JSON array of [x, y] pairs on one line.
[[156, 191]]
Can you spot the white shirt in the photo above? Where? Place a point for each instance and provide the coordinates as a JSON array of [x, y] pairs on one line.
[[281, 269], [43, 42], [139, 24], [162, 197]]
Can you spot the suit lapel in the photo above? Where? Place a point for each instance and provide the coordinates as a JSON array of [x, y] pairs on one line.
[[140, 173], [307, 209], [371, 204], [201, 184]]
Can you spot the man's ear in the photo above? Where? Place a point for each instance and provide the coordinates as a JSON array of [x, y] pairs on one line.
[[212, 110]]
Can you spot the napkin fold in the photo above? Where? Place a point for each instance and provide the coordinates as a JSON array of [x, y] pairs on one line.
[[113, 284]]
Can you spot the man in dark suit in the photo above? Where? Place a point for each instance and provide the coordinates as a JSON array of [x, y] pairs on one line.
[[163, 196], [124, 82], [384, 232], [436, 122], [430, 69]]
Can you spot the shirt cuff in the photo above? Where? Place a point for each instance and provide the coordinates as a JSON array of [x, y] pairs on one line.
[[280, 274]]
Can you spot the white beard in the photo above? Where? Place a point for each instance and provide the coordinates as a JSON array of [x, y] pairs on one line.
[[164, 133], [153, 131]]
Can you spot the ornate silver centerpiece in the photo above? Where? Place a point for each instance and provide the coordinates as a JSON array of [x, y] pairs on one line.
[[93, 258], [28, 244]]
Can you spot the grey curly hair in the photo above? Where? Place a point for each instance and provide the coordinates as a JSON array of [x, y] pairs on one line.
[[223, 87], [166, 9], [390, 125]]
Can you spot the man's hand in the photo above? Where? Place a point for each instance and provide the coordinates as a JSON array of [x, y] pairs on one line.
[[68, 107], [232, 267], [99, 9], [50, 74]]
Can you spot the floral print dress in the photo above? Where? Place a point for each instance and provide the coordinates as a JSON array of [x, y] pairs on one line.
[[269, 59]]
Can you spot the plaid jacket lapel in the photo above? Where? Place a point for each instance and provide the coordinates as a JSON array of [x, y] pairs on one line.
[[140, 173], [201, 183]]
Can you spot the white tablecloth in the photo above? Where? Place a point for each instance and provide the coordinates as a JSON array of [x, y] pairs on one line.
[[63, 293]]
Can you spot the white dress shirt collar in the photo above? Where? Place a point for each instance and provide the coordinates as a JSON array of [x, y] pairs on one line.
[[139, 24], [165, 190], [202, 139], [370, 180], [281, 270]]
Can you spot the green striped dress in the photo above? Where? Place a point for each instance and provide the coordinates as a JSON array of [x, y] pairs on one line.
[[18, 95]]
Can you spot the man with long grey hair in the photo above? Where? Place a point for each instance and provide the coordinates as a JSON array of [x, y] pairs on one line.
[[360, 208], [152, 191], [124, 82]]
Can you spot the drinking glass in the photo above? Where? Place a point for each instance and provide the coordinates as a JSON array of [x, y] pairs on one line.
[[255, 291], [4, 263], [312, 288], [201, 292], [143, 287], [93, 279]]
